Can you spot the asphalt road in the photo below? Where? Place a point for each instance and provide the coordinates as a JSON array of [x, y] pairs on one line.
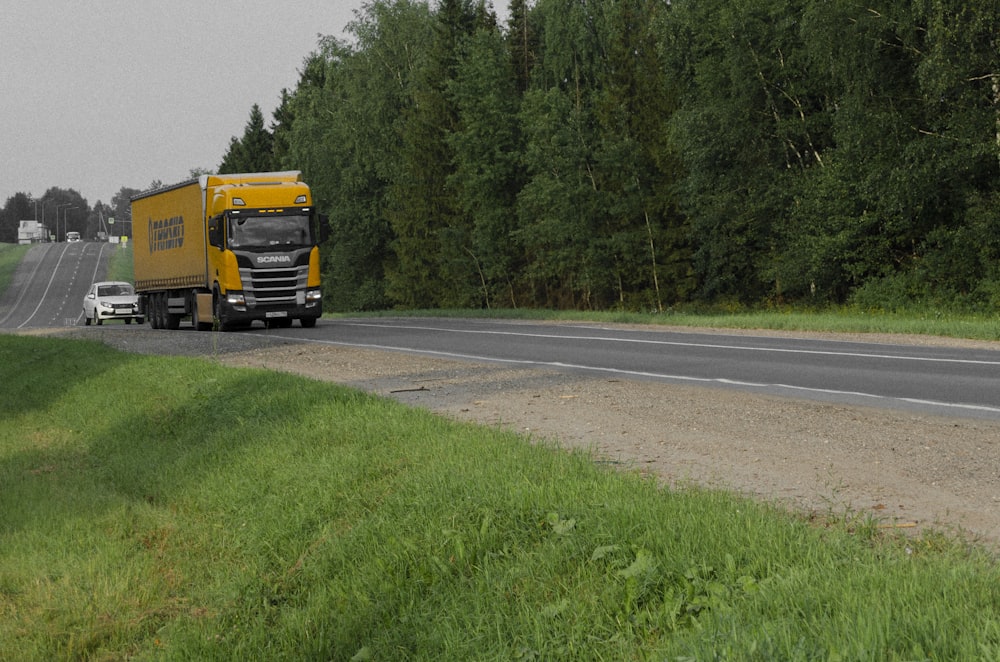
[[963, 382], [49, 286], [941, 380]]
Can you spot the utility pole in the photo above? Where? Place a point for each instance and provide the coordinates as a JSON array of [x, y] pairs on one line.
[[65, 220], [65, 204]]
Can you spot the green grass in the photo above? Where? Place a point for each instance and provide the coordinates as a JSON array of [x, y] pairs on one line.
[[120, 264], [160, 508], [10, 256], [838, 320]]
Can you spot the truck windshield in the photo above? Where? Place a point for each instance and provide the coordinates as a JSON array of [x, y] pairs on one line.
[[269, 231]]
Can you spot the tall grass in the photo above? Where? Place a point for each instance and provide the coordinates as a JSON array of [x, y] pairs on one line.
[[171, 508]]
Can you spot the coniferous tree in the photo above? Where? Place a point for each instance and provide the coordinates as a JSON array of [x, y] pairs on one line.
[[431, 268], [348, 108], [487, 177], [522, 42], [741, 134], [646, 236], [821, 151], [254, 152], [281, 129], [563, 212]]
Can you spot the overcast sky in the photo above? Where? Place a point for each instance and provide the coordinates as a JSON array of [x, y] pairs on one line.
[[103, 94]]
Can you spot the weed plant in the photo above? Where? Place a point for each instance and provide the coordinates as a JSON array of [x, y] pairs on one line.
[[174, 509]]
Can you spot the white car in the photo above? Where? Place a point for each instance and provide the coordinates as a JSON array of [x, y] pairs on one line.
[[111, 300]]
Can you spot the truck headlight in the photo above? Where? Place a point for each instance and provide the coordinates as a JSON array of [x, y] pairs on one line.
[[237, 301], [314, 295]]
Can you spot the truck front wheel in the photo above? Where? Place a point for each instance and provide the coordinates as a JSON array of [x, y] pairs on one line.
[[220, 322], [155, 320]]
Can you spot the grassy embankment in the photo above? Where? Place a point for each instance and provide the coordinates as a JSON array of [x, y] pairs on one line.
[[120, 264], [172, 508], [10, 257]]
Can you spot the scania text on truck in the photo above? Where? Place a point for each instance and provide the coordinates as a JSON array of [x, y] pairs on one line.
[[226, 250]]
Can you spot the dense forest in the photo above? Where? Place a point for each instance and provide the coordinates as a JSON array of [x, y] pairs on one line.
[[646, 153], [649, 154]]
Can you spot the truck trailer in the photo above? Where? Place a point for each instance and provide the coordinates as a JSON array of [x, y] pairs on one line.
[[226, 250]]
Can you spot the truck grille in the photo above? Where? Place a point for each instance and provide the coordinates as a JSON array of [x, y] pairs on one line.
[[274, 287]]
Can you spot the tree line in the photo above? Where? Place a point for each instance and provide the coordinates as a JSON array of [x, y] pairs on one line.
[[642, 154], [62, 210], [645, 154]]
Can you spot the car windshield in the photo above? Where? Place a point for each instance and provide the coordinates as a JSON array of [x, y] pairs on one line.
[[115, 290], [269, 231]]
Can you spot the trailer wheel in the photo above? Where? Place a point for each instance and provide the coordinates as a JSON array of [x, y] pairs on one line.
[[154, 315], [172, 320], [159, 310]]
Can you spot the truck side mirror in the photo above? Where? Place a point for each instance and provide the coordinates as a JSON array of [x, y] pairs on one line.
[[215, 232]]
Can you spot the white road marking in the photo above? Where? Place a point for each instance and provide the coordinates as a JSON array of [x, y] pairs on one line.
[[652, 375], [677, 343]]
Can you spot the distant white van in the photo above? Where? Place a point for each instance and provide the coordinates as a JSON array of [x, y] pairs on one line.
[[72, 237]]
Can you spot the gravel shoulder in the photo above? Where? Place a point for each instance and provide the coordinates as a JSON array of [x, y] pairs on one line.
[[908, 471]]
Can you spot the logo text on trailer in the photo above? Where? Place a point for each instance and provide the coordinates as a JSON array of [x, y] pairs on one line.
[[166, 234]]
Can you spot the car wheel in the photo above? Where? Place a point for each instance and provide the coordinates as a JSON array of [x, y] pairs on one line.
[[128, 320], [86, 319], [97, 319]]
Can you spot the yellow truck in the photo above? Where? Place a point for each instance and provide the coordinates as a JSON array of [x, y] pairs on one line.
[[228, 250]]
